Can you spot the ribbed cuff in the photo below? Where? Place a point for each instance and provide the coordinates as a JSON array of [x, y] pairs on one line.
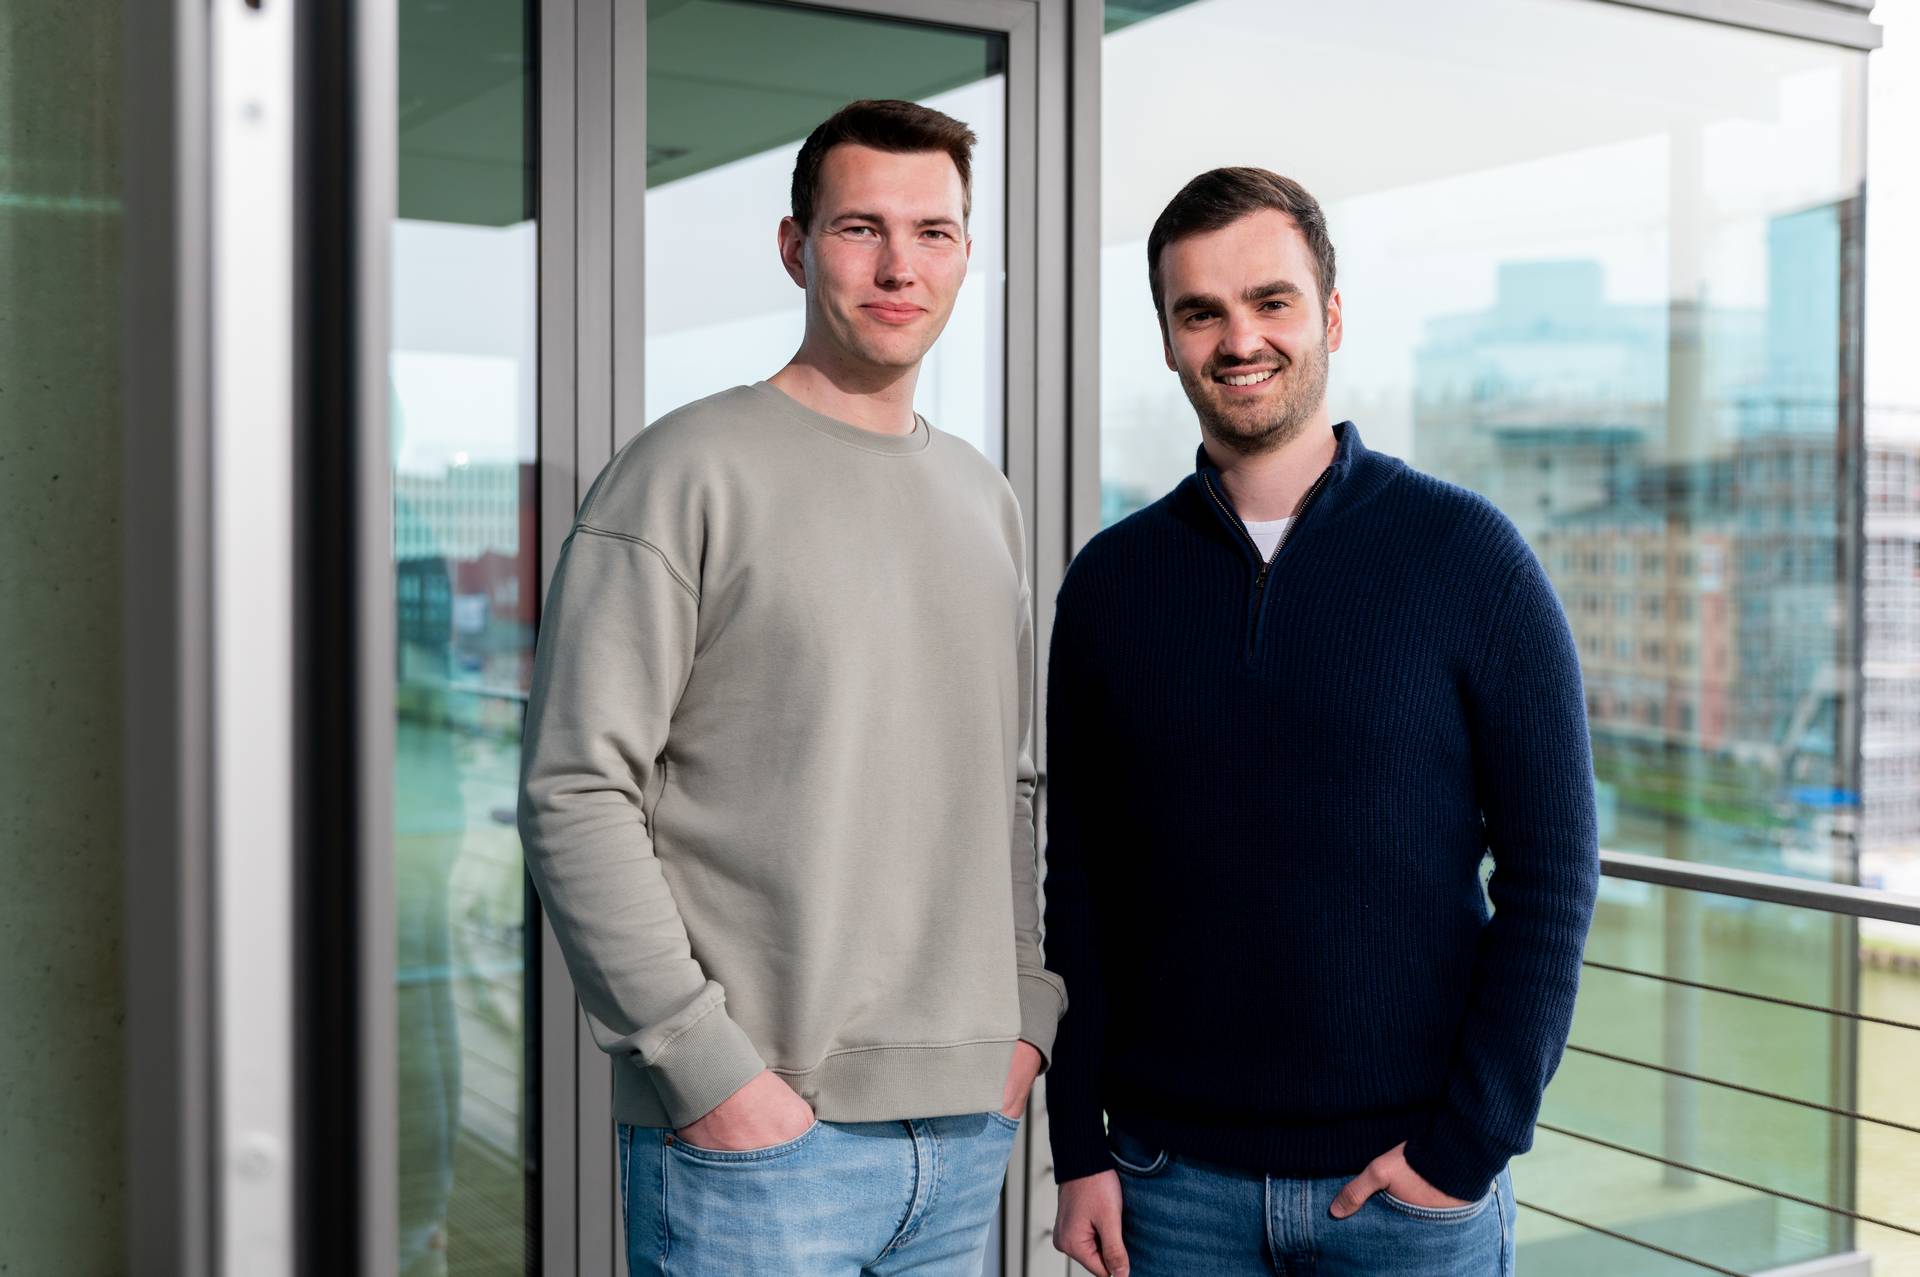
[[703, 1066], [1079, 1144], [1453, 1158], [1042, 1003]]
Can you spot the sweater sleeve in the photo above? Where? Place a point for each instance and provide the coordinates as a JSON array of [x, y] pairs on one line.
[[1077, 1129], [614, 653], [1042, 995], [1533, 770]]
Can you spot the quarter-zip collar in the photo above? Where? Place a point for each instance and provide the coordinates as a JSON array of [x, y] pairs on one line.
[[1355, 473]]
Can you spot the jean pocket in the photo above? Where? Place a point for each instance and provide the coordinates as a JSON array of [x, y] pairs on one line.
[[1134, 1157], [1009, 1123], [733, 1157], [1438, 1214]]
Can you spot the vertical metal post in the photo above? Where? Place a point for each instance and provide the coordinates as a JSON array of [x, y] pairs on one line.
[[166, 670], [252, 122], [560, 489]]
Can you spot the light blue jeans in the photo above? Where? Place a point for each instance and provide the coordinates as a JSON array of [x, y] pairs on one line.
[[852, 1199], [1181, 1217]]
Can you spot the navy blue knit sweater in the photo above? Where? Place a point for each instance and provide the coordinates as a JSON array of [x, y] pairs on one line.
[[1270, 792]]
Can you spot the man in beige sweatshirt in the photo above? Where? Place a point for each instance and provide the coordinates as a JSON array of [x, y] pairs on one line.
[[777, 784]]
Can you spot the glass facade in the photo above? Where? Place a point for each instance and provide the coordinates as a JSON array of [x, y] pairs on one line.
[[1600, 273], [463, 380], [720, 309]]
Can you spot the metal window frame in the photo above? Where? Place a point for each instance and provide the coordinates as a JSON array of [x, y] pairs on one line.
[[167, 673], [1842, 22], [560, 488], [346, 1035], [254, 275], [592, 355], [230, 114], [1845, 23]]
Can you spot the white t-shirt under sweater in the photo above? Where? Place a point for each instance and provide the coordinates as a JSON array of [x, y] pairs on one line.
[[1267, 535]]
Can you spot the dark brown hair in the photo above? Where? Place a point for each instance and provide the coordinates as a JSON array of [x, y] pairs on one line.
[[1219, 198], [885, 124]]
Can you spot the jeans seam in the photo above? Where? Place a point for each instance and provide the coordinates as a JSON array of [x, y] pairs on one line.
[[1266, 1222], [666, 1225], [746, 1157], [1500, 1214], [1308, 1245], [911, 1224], [933, 1194], [1441, 1214]]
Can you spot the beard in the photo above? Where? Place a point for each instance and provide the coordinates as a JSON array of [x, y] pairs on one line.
[[1261, 425]]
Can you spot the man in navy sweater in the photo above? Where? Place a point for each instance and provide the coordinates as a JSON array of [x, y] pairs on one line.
[[1293, 705]]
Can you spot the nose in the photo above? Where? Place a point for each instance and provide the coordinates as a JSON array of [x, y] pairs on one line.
[[894, 270], [1242, 342]]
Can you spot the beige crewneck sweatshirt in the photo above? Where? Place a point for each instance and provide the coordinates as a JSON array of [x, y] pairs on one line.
[[777, 777]]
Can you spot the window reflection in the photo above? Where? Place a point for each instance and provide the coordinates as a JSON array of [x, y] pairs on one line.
[[462, 379]]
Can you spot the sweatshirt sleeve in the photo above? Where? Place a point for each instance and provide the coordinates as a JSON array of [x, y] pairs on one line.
[[1076, 1126], [1533, 770], [1042, 995], [614, 652]]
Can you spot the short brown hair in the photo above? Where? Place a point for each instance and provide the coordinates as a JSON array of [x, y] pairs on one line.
[[885, 124], [1220, 197]]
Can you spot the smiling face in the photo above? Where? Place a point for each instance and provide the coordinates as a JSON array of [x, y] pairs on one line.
[[1245, 329], [885, 256]]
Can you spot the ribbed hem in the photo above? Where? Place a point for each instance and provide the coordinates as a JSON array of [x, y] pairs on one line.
[[876, 1084], [1454, 1158], [1319, 1151], [702, 1067], [1041, 1006]]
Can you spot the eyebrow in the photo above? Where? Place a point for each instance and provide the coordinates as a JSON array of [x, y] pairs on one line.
[[1255, 293], [876, 217]]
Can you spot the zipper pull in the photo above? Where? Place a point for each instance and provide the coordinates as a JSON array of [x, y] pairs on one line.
[[1261, 579]]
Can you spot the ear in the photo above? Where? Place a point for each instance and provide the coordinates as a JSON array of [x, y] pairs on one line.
[[969, 248], [793, 243], [1333, 320], [1166, 347]]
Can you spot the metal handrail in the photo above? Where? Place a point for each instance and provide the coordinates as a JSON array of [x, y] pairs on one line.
[[1770, 998], [1775, 889]]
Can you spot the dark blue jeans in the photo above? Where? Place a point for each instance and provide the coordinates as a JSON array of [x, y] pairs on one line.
[[1182, 1217]]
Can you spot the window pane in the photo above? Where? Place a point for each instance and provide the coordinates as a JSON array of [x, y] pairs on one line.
[[1617, 312], [463, 380], [1598, 274]]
